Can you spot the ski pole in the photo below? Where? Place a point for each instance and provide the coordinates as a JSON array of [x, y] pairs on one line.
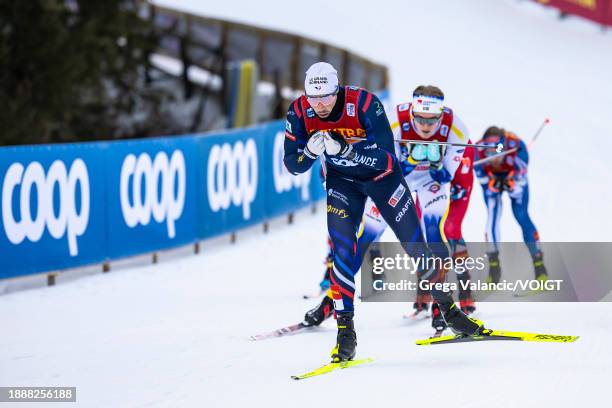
[[531, 142], [533, 139], [495, 156], [498, 148]]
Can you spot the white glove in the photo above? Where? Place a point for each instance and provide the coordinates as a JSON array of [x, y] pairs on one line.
[[334, 147], [315, 145]]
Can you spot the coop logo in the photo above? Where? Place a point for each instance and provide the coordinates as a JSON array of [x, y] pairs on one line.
[[283, 180], [67, 221], [232, 176], [146, 200]]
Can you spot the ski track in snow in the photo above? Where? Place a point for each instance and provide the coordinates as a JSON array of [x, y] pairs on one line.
[[176, 334]]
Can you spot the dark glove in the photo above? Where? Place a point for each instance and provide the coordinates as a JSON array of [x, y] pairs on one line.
[[495, 184], [508, 182]]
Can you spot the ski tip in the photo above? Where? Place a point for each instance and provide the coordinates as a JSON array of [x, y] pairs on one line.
[[329, 367]]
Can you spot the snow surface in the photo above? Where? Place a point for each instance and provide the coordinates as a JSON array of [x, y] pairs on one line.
[[175, 334]]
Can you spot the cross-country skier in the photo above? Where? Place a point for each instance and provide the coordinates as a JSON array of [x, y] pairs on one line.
[[441, 178], [507, 172], [324, 122], [460, 194]]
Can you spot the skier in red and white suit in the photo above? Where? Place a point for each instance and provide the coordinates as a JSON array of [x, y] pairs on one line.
[[435, 173]]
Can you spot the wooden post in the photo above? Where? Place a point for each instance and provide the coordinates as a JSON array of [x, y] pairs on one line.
[[233, 238], [106, 267], [196, 248], [51, 279], [266, 227], [154, 258], [290, 218]]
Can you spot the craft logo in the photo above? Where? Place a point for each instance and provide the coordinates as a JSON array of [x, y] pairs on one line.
[[404, 210]]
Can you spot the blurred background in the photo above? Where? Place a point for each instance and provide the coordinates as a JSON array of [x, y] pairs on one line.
[[79, 70]]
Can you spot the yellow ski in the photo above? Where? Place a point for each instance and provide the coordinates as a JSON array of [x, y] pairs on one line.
[[498, 335], [328, 368]]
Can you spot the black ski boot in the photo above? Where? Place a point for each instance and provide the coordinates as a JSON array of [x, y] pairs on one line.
[[437, 321], [494, 268], [316, 316], [346, 342], [459, 322], [539, 268]]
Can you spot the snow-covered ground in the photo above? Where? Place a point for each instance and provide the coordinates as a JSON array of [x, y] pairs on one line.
[[175, 334]]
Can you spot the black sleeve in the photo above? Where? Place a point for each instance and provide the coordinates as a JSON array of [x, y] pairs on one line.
[[295, 141]]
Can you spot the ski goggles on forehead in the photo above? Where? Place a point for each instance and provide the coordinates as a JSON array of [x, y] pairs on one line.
[[324, 99], [426, 121]]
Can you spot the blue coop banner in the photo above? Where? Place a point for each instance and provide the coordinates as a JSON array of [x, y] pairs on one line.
[[68, 205], [53, 207], [151, 187]]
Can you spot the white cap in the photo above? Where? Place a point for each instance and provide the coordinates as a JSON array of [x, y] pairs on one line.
[[321, 79], [427, 104]]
